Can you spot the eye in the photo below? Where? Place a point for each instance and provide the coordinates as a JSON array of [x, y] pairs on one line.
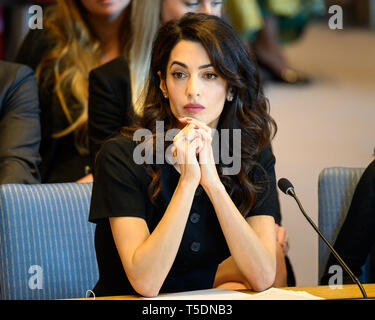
[[192, 4], [216, 3], [179, 75], [210, 76]]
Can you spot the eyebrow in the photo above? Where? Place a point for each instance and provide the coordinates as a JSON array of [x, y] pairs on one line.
[[186, 67]]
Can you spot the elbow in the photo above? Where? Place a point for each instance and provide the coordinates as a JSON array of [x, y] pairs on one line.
[[145, 288], [147, 292], [143, 280], [261, 285], [265, 281]]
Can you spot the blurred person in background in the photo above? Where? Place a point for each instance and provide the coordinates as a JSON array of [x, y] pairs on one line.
[[19, 124], [266, 25], [356, 238], [78, 35]]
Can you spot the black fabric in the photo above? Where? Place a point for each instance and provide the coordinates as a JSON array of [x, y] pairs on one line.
[[109, 103], [356, 238], [264, 175], [290, 277], [19, 124], [120, 189]]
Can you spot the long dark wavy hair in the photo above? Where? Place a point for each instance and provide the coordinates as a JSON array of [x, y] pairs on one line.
[[248, 111]]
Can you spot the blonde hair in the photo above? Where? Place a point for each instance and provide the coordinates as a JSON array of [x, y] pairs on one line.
[[145, 23], [75, 53]]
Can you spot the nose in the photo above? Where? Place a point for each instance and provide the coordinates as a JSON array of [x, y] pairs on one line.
[[192, 88]]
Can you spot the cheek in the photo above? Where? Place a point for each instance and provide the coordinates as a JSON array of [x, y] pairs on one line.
[[122, 4], [175, 88], [175, 94], [217, 100], [219, 93], [217, 12]]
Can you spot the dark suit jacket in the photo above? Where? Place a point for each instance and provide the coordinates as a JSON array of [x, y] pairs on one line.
[[19, 124], [110, 106]]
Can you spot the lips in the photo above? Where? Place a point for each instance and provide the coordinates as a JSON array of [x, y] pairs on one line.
[[193, 108]]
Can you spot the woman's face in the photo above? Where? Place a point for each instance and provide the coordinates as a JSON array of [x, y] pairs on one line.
[[192, 85], [106, 8], [175, 9]]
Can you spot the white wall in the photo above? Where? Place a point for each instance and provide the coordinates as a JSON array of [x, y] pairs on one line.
[[328, 123]]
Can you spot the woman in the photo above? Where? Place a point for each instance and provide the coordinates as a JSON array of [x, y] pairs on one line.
[[115, 88], [163, 227], [78, 35]]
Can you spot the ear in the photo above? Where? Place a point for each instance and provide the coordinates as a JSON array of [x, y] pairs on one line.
[[163, 86]]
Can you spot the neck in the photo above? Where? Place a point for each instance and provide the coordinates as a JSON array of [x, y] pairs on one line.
[[107, 29], [213, 124]]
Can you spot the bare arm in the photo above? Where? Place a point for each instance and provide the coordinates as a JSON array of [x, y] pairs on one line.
[[147, 258], [230, 277], [252, 242]]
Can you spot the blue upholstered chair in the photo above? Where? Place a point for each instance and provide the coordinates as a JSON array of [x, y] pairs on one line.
[[336, 187], [46, 242]]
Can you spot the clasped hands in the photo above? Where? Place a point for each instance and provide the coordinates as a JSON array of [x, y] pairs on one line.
[[192, 148]]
